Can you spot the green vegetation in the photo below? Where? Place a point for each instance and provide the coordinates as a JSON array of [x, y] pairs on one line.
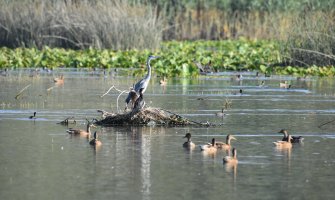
[[303, 31], [177, 58]]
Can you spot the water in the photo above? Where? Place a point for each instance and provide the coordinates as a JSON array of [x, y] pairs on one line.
[[39, 160]]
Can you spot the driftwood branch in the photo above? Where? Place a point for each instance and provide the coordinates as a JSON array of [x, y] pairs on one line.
[[117, 100], [320, 126], [20, 93]]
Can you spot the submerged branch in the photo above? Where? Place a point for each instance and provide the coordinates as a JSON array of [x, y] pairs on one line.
[[20, 93], [320, 126]]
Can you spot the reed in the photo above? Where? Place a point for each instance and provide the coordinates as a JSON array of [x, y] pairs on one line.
[[78, 24], [311, 39]]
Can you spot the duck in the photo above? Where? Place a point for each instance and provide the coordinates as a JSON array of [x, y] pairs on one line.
[[95, 141], [240, 92], [294, 139], [225, 146], [132, 97], [188, 144], [59, 80], [163, 81], [80, 132], [238, 77], [284, 144], [232, 160], [33, 116], [66, 121], [210, 147], [221, 114], [285, 85]]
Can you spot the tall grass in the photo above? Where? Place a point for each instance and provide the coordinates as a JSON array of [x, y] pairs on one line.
[[311, 39], [78, 24]]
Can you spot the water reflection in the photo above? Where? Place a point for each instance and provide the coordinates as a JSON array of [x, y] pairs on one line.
[[145, 163], [150, 162]]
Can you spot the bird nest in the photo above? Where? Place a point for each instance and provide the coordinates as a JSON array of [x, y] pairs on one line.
[[146, 116]]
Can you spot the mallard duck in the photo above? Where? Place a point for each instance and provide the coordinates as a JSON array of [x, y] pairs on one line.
[[209, 148], [294, 139], [80, 132], [284, 144], [231, 159], [284, 85], [33, 116], [95, 141], [225, 146], [59, 80], [188, 144]]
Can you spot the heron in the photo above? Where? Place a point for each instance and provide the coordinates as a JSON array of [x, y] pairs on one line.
[[142, 84]]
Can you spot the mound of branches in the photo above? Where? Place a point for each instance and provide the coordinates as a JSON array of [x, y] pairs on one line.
[[78, 24], [146, 116]]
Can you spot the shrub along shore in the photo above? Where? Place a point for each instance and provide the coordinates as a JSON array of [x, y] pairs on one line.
[[177, 58]]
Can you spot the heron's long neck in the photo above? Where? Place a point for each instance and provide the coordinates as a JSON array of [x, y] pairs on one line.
[[88, 129], [149, 68]]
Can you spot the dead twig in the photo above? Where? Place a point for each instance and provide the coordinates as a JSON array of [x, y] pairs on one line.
[[117, 100], [320, 126], [20, 93]]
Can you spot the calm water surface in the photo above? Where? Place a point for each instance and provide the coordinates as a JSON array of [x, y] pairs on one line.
[[39, 160]]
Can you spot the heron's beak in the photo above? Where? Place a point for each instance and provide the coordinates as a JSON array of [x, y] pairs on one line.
[[232, 137]]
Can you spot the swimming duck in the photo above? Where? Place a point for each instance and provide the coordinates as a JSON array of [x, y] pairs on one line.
[[231, 159], [284, 85], [221, 114], [163, 81], [66, 121], [95, 141], [225, 146], [80, 132], [284, 144], [33, 116], [210, 147], [188, 144], [295, 139], [59, 80]]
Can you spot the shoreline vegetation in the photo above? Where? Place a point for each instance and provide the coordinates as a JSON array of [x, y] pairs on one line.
[[284, 37]]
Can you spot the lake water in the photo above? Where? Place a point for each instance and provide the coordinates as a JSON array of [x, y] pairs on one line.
[[39, 160]]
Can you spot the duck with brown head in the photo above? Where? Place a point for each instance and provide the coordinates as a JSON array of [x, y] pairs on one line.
[[188, 144], [82, 133], [225, 145]]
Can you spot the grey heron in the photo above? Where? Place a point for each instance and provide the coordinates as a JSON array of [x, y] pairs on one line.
[[139, 103], [142, 84]]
